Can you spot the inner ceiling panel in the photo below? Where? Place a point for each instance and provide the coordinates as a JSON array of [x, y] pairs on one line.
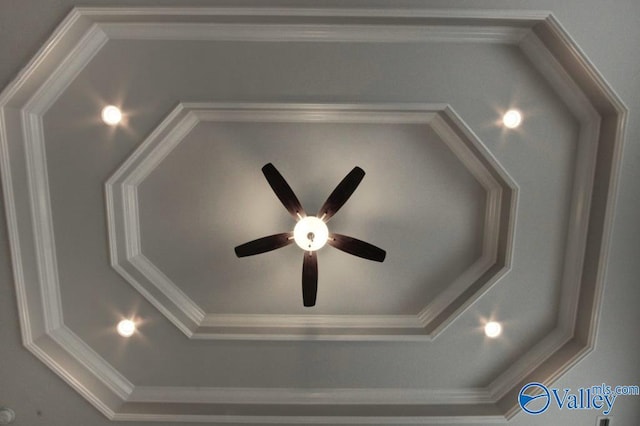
[[196, 206], [152, 77]]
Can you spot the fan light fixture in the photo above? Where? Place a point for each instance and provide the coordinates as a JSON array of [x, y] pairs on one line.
[[310, 233]]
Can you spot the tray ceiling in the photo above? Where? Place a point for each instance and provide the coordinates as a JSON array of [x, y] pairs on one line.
[[140, 220]]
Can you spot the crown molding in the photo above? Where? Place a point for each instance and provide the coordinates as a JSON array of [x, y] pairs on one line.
[[316, 396]]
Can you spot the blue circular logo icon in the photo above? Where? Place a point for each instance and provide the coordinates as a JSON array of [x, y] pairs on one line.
[[534, 398]]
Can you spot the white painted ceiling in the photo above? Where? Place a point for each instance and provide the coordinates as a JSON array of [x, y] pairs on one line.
[[220, 335]]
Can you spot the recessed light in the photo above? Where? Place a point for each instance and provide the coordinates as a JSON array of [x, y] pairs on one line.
[[111, 115], [126, 328], [493, 329], [512, 118]]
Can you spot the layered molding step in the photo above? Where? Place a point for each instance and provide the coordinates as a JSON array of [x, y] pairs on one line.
[[600, 114]]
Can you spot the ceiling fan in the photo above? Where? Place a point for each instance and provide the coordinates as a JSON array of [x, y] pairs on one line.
[[310, 232]]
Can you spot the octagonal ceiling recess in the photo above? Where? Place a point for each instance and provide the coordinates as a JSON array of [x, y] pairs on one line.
[[314, 91], [474, 273]]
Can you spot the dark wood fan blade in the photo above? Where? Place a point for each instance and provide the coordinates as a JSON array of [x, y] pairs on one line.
[[283, 191], [356, 247], [341, 194], [309, 278], [264, 244]]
